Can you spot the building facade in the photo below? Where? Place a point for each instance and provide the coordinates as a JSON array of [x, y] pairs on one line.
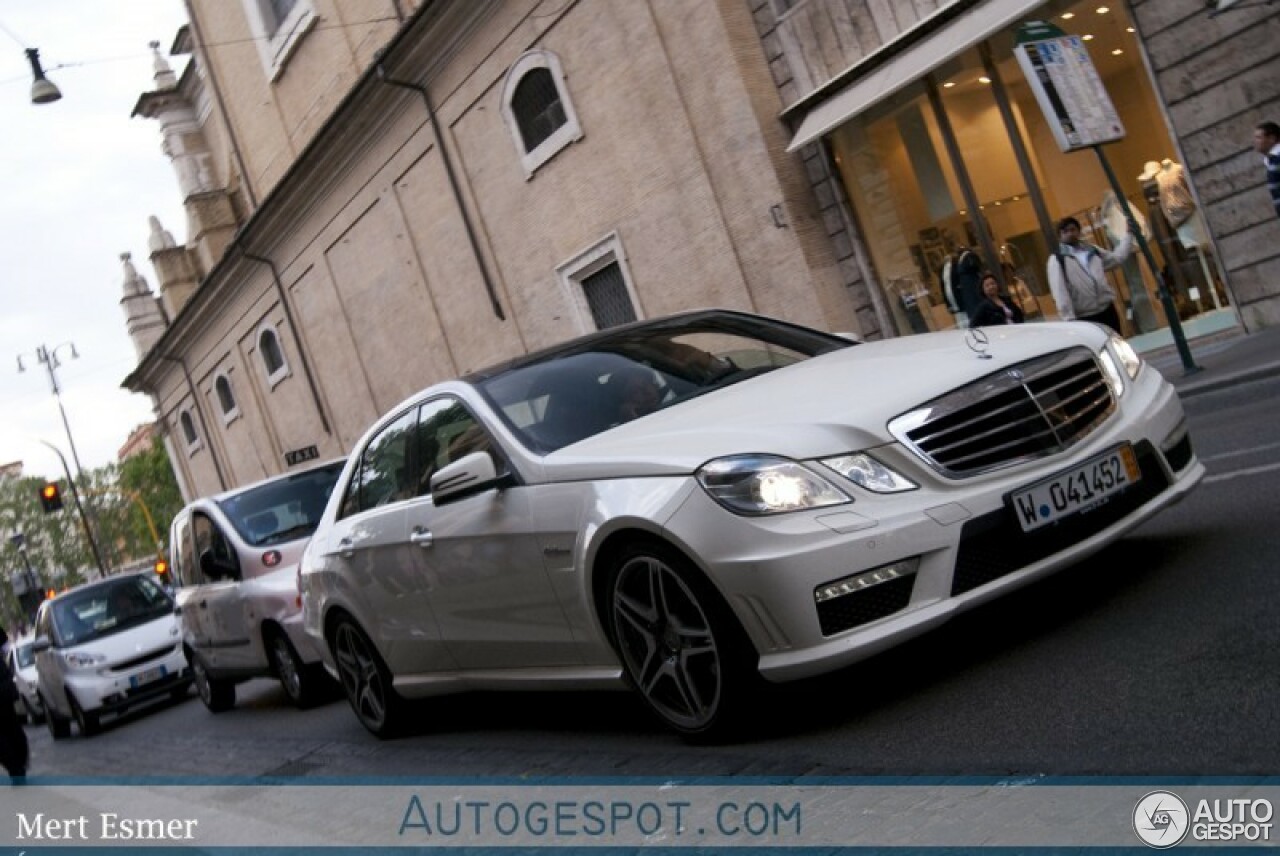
[[386, 193]]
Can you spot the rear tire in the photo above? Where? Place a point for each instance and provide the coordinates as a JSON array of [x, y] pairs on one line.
[[217, 695], [680, 646], [366, 680], [33, 716]]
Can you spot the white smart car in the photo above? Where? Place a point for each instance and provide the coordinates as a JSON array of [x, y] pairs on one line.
[[694, 503], [22, 665], [105, 647]]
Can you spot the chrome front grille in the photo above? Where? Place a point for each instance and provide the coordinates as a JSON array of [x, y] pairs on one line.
[[1032, 410]]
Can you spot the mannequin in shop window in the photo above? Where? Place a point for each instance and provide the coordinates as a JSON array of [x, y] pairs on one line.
[[1078, 279], [1180, 210]]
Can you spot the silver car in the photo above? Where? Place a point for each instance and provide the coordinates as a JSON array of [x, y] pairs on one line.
[[235, 561], [106, 647], [696, 503], [22, 665]]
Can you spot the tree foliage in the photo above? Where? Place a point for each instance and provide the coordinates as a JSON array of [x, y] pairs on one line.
[[118, 499]]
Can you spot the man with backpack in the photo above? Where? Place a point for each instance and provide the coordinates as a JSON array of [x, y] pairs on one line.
[[1078, 280]]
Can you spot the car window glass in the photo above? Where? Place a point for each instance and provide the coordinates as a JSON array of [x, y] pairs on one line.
[[214, 557], [44, 623], [23, 655], [180, 555], [283, 509], [102, 610], [612, 379], [384, 476], [446, 431]]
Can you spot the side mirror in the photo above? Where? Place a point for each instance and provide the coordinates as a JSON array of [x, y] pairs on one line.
[[465, 476], [209, 567], [40, 643]]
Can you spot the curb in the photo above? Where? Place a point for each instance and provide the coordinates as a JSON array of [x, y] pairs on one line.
[[1196, 385]]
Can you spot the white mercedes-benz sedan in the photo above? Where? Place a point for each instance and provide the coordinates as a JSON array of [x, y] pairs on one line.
[[693, 503]]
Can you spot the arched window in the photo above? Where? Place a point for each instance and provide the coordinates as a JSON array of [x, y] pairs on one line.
[[226, 398], [538, 110], [189, 434], [271, 354]]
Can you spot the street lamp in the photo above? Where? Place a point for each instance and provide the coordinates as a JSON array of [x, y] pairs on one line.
[[43, 90], [48, 357]]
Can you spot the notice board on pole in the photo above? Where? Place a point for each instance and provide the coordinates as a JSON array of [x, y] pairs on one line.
[[1067, 86]]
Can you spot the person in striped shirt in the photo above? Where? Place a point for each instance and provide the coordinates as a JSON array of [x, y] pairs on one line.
[[1266, 142]]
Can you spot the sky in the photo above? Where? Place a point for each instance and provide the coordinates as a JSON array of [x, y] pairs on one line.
[[80, 178]]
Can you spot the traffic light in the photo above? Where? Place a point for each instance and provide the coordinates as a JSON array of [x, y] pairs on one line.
[[162, 567], [51, 497]]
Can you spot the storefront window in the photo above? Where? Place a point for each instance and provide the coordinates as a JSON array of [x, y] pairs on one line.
[[927, 176]]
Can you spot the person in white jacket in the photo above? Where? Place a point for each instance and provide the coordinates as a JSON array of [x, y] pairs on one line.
[[1078, 280]]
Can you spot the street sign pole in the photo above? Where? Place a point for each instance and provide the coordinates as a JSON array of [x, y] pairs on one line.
[[1080, 114]]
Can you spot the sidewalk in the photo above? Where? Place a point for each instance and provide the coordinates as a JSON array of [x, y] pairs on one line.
[[1227, 358]]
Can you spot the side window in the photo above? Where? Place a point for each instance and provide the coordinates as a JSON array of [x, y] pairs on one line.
[[180, 555], [599, 286], [214, 559], [446, 431], [226, 398], [189, 435], [537, 109], [44, 625], [278, 27], [272, 355], [383, 476]]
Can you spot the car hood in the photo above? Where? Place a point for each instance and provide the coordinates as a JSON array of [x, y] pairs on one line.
[[133, 641], [828, 405]]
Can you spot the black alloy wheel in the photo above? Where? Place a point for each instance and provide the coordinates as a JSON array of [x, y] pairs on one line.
[[680, 646], [366, 680]]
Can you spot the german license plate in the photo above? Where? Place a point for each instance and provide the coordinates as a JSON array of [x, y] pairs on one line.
[[1077, 489], [143, 678]]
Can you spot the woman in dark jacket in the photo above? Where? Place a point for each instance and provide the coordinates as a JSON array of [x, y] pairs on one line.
[[994, 308]]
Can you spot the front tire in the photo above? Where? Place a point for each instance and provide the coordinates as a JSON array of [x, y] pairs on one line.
[[59, 728], [366, 680], [301, 683], [88, 723], [680, 646], [217, 695]]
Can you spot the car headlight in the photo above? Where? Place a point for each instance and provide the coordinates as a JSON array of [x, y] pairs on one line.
[[869, 474], [83, 659], [766, 484], [1118, 361], [1129, 359]]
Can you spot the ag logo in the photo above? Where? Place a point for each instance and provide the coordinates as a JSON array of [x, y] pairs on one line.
[[1161, 819]]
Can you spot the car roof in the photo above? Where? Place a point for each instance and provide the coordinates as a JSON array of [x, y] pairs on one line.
[[726, 317], [236, 491]]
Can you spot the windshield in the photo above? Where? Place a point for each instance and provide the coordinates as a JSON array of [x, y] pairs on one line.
[[284, 509], [24, 655], [102, 610], [577, 393]]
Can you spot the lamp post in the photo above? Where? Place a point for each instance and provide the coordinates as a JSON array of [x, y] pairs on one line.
[[48, 357]]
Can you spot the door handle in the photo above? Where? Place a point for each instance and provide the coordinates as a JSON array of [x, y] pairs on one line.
[[346, 548], [204, 604], [421, 536]]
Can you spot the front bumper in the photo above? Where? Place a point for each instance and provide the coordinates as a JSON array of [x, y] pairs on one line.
[[113, 689], [959, 538]]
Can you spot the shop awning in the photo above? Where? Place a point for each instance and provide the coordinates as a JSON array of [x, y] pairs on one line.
[[915, 62]]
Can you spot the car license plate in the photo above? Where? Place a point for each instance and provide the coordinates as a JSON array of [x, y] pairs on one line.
[[1077, 489], [146, 677]]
